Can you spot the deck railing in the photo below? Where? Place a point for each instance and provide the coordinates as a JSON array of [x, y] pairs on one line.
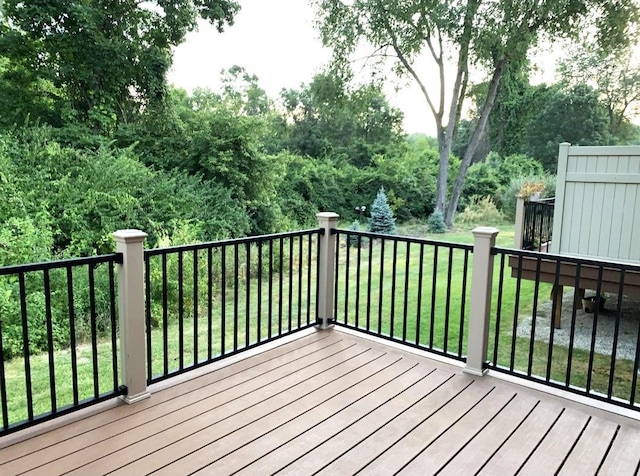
[[538, 224], [183, 307], [217, 299], [409, 290], [585, 340], [44, 307]]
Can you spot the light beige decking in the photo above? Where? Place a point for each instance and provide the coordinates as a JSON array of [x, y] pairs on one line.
[[333, 403]]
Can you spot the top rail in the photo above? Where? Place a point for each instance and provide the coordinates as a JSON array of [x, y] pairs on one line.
[[406, 239], [64, 263]]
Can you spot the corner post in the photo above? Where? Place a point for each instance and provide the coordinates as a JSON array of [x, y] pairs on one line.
[[518, 236], [131, 312], [481, 286], [327, 266]]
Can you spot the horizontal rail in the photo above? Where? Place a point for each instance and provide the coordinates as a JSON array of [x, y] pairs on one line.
[[58, 264]]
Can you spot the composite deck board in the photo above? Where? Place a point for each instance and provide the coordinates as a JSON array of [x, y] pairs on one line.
[[230, 375], [624, 455], [507, 458], [332, 403], [344, 426]]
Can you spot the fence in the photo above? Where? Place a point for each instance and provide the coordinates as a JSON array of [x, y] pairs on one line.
[[538, 225], [43, 307], [407, 290], [212, 300], [180, 308]]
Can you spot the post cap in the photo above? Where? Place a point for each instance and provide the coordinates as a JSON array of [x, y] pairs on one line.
[[485, 231], [327, 215], [129, 236]]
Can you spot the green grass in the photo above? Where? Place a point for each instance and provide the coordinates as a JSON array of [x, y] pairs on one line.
[[353, 300]]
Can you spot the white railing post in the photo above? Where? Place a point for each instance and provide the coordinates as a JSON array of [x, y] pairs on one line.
[[327, 266], [518, 236], [131, 310], [481, 286]]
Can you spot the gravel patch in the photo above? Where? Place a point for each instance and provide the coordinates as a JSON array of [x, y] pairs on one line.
[[627, 334]]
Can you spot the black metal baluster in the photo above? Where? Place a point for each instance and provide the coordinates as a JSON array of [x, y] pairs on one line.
[[72, 335], [419, 298], [270, 315], [406, 293], [50, 347], [516, 308], [337, 279], [394, 271], [247, 301], [498, 304], [434, 274], [358, 269], [180, 311], [596, 309], [210, 303], [616, 332], [572, 330], [290, 290], [346, 279], [165, 317], [280, 283], [114, 327], [223, 301], [236, 265], [381, 290], [94, 332], [463, 301], [448, 302], [147, 289], [534, 316], [195, 307], [556, 295], [369, 274], [300, 272], [3, 385], [25, 345], [259, 297], [309, 261]]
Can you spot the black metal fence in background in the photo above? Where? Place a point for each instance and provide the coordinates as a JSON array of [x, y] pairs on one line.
[[538, 224], [212, 300], [408, 290], [44, 307]]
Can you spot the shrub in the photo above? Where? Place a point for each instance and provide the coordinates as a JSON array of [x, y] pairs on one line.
[[382, 220], [435, 222], [480, 211], [509, 194]]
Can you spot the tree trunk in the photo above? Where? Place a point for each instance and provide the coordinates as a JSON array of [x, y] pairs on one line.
[[478, 133], [443, 170]]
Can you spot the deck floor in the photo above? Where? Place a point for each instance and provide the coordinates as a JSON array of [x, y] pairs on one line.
[[332, 403]]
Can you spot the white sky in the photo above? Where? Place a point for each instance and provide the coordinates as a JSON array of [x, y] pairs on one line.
[[276, 40]]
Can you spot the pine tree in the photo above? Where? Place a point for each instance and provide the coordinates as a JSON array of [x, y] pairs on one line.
[[436, 223], [382, 220]]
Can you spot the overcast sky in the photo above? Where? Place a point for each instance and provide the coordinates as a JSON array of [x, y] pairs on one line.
[[276, 40]]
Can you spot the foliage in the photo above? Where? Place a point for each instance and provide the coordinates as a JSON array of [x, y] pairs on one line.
[[436, 223], [103, 60], [381, 220], [480, 211], [508, 195], [354, 241], [575, 116], [491, 35]]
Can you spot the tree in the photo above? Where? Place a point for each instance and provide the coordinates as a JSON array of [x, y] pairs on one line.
[[331, 117], [381, 220], [575, 116], [108, 58], [615, 75], [491, 34]]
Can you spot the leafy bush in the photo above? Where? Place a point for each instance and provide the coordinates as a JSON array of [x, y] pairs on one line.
[[435, 222], [481, 211], [382, 220], [508, 195]]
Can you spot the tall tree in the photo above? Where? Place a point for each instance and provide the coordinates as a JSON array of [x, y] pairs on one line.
[[614, 73], [490, 34], [109, 58]]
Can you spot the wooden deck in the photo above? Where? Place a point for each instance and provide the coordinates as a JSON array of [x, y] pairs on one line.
[[332, 403]]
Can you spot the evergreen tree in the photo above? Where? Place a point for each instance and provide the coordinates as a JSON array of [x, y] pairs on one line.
[[382, 220], [436, 223]]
